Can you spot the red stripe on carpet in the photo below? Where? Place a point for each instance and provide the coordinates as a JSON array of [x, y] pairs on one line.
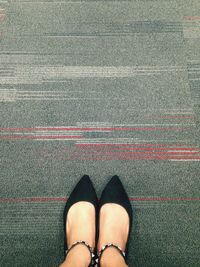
[[38, 137]]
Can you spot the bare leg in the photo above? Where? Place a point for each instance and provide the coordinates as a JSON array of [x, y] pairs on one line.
[[114, 228], [79, 256], [80, 226], [112, 258]]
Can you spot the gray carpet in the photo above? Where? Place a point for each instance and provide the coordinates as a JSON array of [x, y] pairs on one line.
[[100, 88]]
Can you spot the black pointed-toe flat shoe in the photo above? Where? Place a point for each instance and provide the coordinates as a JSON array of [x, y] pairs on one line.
[[83, 191], [114, 192]]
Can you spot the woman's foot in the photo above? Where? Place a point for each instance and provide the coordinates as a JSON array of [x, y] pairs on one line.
[[80, 225], [114, 229]]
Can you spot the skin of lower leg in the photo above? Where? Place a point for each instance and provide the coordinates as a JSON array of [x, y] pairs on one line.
[[79, 256], [112, 258]]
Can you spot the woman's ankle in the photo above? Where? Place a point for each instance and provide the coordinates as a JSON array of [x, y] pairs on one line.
[[112, 258], [79, 256]]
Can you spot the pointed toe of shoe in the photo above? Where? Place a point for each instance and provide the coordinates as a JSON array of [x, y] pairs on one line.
[[114, 192], [83, 191]]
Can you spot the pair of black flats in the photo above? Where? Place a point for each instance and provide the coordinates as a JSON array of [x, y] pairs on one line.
[[114, 192]]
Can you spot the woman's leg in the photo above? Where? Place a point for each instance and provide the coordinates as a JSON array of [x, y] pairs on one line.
[[79, 256], [80, 226], [112, 258], [114, 228]]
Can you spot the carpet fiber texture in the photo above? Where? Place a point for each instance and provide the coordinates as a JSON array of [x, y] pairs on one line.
[[100, 88]]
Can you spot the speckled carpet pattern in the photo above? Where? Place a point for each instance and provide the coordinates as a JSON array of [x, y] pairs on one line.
[[100, 88]]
